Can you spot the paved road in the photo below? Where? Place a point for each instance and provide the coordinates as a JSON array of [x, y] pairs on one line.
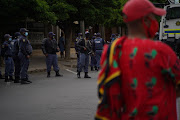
[[66, 98]]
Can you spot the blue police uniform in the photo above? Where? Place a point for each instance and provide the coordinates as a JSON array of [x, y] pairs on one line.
[[15, 51], [25, 49], [1, 77], [50, 48], [61, 44], [93, 60], [9, 64], [113, 38], [84, 56], [78, 52], [98, 47]]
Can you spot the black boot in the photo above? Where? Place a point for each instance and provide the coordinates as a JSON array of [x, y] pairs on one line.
[[27, 80], [11, 78], [6, 79], [17, 80], [48, 74], [92, 69], [79, 74], [86, 75], [24, 81], [58, 75], [95, 68]]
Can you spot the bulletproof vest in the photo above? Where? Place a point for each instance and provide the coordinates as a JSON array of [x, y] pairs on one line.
[[78, 39], [98, 44], [51, 46], [92, 41], [15, 46]]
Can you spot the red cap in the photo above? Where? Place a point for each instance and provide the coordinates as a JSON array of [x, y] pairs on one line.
[[136, 9]]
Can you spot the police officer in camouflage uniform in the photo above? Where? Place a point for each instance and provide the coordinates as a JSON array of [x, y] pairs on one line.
[[50, 48], [7, 54], [15, 51], [85, 48], [25, 50]]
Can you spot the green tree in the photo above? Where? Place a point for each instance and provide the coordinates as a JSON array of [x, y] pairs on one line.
[[13, 11]]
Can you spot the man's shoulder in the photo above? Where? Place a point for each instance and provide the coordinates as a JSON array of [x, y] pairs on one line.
[[157, 44], [81, 40], [5, 42], [45, 40], [23, 39]]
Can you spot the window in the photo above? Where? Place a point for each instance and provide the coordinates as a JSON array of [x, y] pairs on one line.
[[173, 13]]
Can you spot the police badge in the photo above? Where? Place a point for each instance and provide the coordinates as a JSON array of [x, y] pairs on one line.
[[178, 23]]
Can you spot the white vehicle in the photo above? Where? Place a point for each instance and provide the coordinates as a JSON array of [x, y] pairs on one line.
[[170, 25]]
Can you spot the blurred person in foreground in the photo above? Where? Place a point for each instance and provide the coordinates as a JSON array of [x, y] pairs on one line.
[[139, 76]]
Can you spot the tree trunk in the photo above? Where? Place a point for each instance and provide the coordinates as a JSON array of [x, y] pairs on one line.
[[68, 38]]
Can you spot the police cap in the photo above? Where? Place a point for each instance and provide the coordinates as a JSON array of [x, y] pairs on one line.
[[7, 36], [23, 30], [51, 34], [98, 34], [113, 35], [80, 34]]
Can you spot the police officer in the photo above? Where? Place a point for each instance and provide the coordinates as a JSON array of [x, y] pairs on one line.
[[85, 48], [80, 36], [7, 53], [93, 60], [1, 76], [15, 51], [98, 47], [113, 37], [25, 50], [61, 44], [50, 48]]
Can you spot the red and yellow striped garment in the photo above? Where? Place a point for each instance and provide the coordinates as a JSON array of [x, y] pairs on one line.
[[137, 81]]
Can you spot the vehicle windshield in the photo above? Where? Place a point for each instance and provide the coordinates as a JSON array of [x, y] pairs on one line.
[[173, 13]]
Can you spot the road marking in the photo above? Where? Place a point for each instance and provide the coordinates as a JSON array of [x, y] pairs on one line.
[[71, 71]]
